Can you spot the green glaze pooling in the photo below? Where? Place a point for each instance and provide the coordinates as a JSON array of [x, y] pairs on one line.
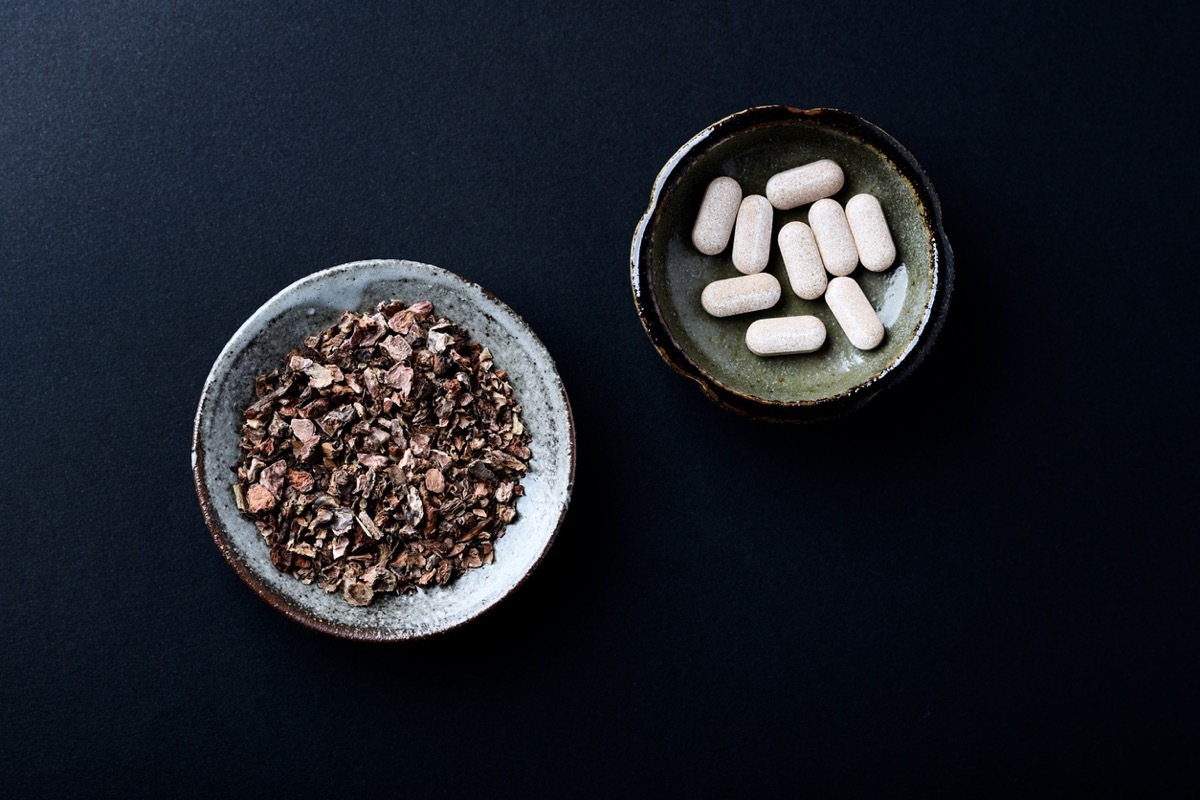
[[902, 294]]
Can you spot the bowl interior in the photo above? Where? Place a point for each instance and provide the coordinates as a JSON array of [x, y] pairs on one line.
[[313, 304], [678, 272]]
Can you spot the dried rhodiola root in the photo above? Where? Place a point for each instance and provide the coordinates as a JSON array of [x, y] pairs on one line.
[[384, 455]]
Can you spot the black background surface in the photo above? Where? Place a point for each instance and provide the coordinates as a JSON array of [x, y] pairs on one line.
[[985, 581]]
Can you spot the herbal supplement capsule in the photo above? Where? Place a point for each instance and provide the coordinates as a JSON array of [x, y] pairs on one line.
[[785, 335], [834, 240], [718, 210], [802, 185], [854, 313], [752, 235], [740, 295], [802, 260], [870, 229]]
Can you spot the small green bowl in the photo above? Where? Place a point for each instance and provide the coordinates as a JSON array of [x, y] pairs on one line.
[[668, 273]]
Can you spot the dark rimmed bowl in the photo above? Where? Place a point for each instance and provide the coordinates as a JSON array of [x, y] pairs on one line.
[[668, 273], [313, 304]]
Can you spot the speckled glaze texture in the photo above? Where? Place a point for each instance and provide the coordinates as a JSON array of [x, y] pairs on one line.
[[314, 303], [668, 274]]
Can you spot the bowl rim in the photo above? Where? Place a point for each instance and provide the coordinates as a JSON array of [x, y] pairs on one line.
[[857, 396], [264, 592]]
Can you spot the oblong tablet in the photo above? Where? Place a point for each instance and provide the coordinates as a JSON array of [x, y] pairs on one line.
[[741, 295], [834, 240], [876, 249], [718, 210], [752, 235], [802, 260], [796, 187], [783, 336], [853, 311]]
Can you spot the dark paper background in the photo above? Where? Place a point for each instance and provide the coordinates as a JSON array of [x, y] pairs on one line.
[[984, 582]]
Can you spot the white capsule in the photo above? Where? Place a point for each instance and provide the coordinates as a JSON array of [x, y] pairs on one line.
[[870, 229], [853, 311], [752, 235], [785, 335], [740, 295], [802, 260], [718, 210], [834, 240], [802, 185]]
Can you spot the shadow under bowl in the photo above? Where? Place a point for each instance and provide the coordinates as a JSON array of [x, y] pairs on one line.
[[311, 305], [669, 274]]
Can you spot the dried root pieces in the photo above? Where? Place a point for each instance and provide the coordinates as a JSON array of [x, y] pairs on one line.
[[385, 454]]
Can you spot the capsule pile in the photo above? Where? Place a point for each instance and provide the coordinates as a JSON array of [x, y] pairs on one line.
[[833, 243]]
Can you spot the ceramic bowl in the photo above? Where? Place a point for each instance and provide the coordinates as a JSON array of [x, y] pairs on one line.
[[668, 273], [313, 304]]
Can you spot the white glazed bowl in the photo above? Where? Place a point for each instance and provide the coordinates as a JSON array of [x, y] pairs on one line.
[[313, 304]]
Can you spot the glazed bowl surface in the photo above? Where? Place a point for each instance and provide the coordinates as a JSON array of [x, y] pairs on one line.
[[668, 273], [313, 304]]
